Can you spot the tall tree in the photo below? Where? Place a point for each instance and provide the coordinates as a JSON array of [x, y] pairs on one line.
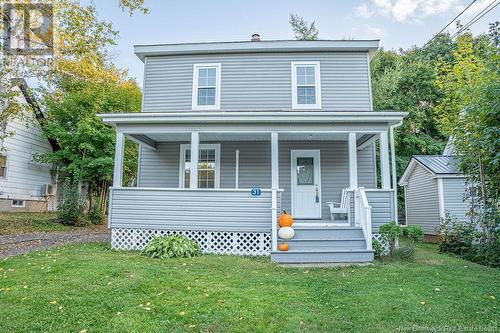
[[470, 113], [302, 29]]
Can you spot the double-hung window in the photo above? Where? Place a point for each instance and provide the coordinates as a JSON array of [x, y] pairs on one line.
[[306, 85], [206, 86], [3, 166], [208, 166]]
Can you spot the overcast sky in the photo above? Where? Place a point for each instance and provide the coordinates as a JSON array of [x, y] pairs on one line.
[[397, 23]]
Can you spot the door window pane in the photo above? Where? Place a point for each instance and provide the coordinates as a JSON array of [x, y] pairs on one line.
[[305, 171]]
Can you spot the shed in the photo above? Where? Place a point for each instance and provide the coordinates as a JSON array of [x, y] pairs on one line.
[[433, 188]]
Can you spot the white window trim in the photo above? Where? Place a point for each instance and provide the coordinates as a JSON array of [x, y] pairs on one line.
[[18, 206], [317, 79], [182, 154], [196, 68]]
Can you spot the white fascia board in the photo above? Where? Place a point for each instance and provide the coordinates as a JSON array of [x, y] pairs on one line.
[[403, 180], [143, 51], [289, 117]]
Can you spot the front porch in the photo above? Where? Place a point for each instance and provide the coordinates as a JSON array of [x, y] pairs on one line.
[[208, 196]]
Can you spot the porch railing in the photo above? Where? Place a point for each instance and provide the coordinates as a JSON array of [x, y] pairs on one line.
[[364, 213]]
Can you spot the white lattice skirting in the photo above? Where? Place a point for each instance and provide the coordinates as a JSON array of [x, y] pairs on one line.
[[240, 243], [385, 245]]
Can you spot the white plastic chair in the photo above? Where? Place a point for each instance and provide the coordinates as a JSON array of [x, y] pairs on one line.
[[341, 207]]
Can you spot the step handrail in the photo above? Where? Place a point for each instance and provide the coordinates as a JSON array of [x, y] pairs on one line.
[[364, 211]]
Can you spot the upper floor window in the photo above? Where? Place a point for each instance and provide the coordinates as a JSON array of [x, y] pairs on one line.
[[3, 166], [306, 85], [206, 86]]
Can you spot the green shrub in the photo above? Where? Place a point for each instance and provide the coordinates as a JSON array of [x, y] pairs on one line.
[[464, 239], [391, 232], [455, 236], [71, 210], [96, 216], [413, 233], [171, 247], [377, 247]]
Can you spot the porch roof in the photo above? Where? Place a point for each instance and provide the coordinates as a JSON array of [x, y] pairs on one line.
[[253, 117]]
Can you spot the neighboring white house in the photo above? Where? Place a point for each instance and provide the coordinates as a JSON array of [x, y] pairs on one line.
[[26, 185], [277, 125], [434, 188]]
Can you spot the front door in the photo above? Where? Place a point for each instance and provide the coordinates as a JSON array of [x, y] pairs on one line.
[[306, 184]]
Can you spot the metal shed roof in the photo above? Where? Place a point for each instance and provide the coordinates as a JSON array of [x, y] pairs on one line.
[[439, 164]]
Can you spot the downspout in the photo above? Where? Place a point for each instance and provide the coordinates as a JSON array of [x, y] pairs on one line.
[[393, 166]]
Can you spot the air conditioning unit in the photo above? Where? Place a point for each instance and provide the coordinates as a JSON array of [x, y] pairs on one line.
[[47, 190]]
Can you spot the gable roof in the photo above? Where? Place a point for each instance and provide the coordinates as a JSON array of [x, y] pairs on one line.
[[39, 115], [438, 165], [143, 51]]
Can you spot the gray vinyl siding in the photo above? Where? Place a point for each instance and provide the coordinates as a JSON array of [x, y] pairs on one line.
[[382, 203], [422, 202], [190, 210], [253, 82], [160, 168], [454, 203]]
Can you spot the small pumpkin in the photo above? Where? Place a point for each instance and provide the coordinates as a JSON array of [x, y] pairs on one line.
[[283, 247], [285, 220]]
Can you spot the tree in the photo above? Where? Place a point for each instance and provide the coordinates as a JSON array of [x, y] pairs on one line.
[[470, 113], [87, 144], [302, 29]]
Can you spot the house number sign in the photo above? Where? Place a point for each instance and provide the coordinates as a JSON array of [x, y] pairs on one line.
[[256, 192]]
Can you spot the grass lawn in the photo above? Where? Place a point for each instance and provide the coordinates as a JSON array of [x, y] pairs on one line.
[[16, 223], [89, 287]]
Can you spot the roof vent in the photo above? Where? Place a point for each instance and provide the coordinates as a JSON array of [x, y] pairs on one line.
[[255, 38]]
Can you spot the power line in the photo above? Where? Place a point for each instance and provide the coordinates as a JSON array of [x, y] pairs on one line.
[[453, 20], [476, 18]]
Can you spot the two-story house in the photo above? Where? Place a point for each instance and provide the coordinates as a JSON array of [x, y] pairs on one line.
[[277, 125]]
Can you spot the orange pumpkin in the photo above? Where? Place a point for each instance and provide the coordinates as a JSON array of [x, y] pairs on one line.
[[286, 220], [283, 247]]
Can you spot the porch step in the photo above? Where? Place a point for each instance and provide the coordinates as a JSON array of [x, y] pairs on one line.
[[315, 244], [327, 233], [332, 256], [326, 244]]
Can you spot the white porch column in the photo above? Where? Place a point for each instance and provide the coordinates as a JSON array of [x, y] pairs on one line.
[[353, 162], [274, 189], [193, 166], [394, 175], [118, 167], [384, 161]]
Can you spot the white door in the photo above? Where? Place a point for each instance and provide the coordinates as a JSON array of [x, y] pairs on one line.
[[306, 184]]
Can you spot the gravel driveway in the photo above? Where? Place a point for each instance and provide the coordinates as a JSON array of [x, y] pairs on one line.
[[12, 245]]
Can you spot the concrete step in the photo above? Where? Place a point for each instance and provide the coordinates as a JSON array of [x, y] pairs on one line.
[[327, 233], [325, 244], [332, 256]]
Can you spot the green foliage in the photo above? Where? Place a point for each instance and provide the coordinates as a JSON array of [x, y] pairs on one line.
[[470, 113], [465, 239], [71, 210], [302, 29], [391, 232], [172, 247], [413, 233], [377, 247], [96, 215], [404, 252]]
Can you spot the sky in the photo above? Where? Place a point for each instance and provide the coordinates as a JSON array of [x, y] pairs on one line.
[[397, 23]]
